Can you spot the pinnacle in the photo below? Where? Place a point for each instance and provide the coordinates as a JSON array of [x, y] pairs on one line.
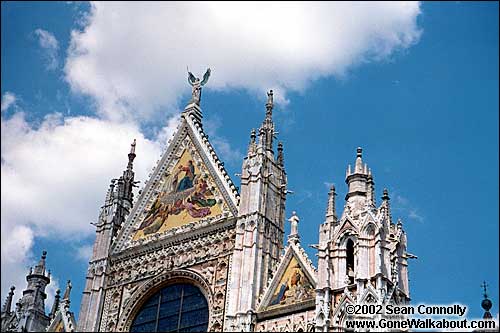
[[385, 195]]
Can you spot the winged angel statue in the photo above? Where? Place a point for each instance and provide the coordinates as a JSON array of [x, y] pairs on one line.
[[197, 84]]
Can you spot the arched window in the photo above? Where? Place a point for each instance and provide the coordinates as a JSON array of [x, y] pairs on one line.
[[175, 308], [349, 268]]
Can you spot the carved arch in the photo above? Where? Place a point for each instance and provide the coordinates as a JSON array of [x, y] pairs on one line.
[[148, 288], [369, 230]]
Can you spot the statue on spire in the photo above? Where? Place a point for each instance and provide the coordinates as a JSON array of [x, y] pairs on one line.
[[196, 83], [270, 103], [294, 232]]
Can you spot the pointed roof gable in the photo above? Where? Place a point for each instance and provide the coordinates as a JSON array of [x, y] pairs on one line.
[[347, 224], [294, 281], [189, 186], [63, 320]]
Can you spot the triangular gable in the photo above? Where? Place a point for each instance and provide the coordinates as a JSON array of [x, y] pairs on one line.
[[347, 225], [64, 320], [188, 185], [367, 219], [369, 295], [294, 281], [57, 324], [339, 312]]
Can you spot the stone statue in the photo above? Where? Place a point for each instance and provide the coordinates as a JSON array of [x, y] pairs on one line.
[[294, 221], [197, 84]]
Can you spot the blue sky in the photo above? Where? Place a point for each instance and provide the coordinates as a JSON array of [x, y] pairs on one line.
[[423, 106]]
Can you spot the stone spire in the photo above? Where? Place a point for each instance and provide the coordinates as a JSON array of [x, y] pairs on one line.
[[262, 203], [358, 166], [386, 206], [124, 195], [331, 215], [128, 177], [40, 267], [67, 291], [266, 131], [55, 306], [8, 301], [112, 215], [294, 228], [131, 156], [32, 303], [252, 146], [370, 195], [486, 303]]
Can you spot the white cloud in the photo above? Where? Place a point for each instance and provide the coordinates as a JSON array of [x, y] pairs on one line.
[[8, 100], [17, 258], [54, 179], [16, 246], [403, 206], [54, 176], [49, 44], [84, 252], [412, 214], [132, 57]]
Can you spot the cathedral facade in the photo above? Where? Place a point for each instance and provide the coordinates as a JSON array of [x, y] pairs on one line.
[[194, 253]]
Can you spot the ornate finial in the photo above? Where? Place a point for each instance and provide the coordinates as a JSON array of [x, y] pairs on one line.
[[484, 285], [486, 304], [294, 233], [57, 297], [358, 166], [40, 267], [8, 301], [196, 83], [280, 158], [253, 135], [67, 291], [385, 195], [266, 131], [252, 146], [386, 207], [331, 215], [269, 104]]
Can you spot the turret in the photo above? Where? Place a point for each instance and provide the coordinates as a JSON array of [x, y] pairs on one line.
[[117, 205], [260, 225], [361, 250], [359, 182], [32, 303]]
